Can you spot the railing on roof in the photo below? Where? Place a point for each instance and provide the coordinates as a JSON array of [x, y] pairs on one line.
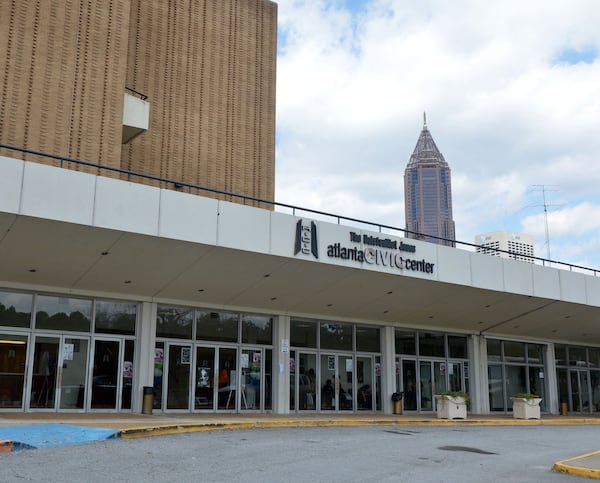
[[295, 210]]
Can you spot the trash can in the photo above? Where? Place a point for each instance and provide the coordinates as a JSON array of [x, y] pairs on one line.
[[398, 407], [148, 400], [564, 409], [397, 400]]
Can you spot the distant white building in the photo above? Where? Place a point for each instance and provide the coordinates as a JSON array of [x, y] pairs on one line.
[[519, 244]]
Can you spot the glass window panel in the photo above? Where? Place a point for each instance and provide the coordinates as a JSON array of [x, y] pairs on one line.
[[431, 344], [257, 329], [217, 326], [15, 309], [13, 353], [516, 382], [595, 383], [494, 351], [367, 339], [577, 357], [457, 347], [535, 353], [174, 322], [159, 358], [63, 313], [560, 353], [594, 357], [336, 336], [115, 317], [303, 333], [514, 352], [405, 343]]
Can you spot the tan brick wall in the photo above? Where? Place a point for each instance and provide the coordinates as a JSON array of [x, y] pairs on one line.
[[208, 67], [62, 72]]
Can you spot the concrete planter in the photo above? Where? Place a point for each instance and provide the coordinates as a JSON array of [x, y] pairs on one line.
[[450, 407], [526, 408]]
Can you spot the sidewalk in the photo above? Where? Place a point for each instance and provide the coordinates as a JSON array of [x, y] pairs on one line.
[[128, 426]]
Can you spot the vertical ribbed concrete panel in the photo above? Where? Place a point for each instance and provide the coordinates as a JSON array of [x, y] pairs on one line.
[[208, 68], [62, 76]]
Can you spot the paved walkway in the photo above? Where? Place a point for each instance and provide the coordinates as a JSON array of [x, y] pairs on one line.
[[139, 426]]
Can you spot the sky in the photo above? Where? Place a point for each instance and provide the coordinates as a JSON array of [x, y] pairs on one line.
[[512, 95]]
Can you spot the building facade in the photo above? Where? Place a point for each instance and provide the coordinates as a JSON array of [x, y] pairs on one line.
[[428, 193], [519, 245], [221, 308], [203, 72]]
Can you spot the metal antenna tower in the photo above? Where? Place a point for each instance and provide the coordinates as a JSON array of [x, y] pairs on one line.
[[544, 188]]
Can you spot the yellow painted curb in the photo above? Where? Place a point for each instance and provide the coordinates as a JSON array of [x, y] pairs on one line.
[[564, 466]]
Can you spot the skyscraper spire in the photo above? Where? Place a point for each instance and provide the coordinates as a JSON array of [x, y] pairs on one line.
[[428, 193]]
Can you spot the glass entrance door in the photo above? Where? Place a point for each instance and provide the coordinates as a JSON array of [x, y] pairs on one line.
[[252, 367], [178, 376], [366, 387], [580, 394], [337, 382], [13, 353], [204, 387], [73, 373], [45, 373], [59, 376], [105, 375], [227, 379]]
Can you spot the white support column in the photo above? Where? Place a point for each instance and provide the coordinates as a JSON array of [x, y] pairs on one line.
[[478, 375], [144, 352], [552, 399], [388, 368], [281, 365]]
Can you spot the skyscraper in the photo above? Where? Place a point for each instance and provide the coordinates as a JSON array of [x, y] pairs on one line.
[[428, 193], [204, 69]]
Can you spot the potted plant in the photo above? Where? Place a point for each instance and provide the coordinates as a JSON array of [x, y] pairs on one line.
[[452, 404], [526, 406], [397, 400]]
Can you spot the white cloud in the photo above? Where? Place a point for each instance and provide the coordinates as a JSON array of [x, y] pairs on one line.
[[503, 110]]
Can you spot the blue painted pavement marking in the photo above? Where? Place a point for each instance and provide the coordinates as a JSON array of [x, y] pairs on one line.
[[54, 435]]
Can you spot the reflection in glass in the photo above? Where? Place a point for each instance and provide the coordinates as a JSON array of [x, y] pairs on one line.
[[128, 373], [577, 357], [115, 317], [439, 374], [62, 313], [13, 352], [516, 382], [174, 322], [15, 309], [367, 339], [328, 364], [105, 375], [496, 388], [307, 382], [345, 386], [217, 326], [159, 357], [268, 369], [73, 379], [431, 344], [426, 386], [45, 366], [595, 383], [364, 380], [409, 376], [494, 350], [514, 351], [303, 333], [336, 336], [257, 329], [405, 343], [227, 378], [178, 379], [205, 378], [457, 347], [251, 367]]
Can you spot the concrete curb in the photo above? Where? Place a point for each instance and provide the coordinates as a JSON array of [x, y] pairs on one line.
[[164, 429], [565, 466]]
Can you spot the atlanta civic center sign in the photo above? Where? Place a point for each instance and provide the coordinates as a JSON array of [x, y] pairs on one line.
[[372, 250]]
